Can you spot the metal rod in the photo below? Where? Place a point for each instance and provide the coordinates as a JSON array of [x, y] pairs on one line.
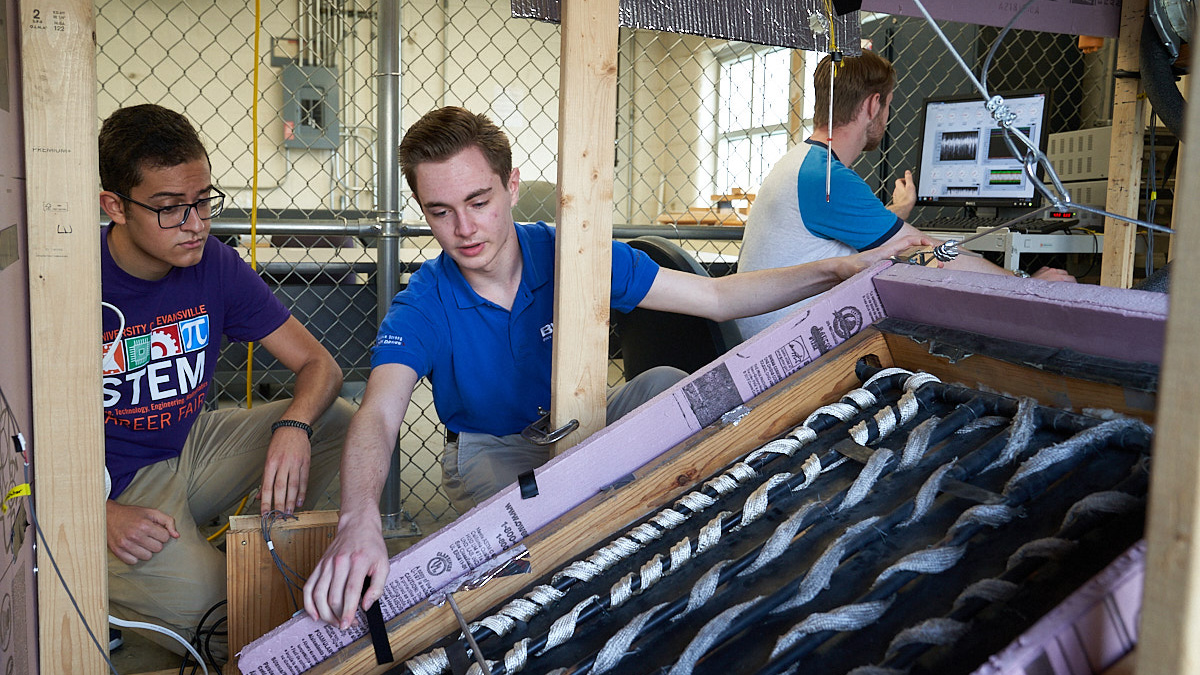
[[387, 278], [462, 623]]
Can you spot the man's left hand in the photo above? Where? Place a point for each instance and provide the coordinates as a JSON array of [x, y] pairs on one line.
[[285, 474]]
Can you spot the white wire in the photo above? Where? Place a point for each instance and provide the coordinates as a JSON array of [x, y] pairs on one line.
[[159, 629], [110, 359]]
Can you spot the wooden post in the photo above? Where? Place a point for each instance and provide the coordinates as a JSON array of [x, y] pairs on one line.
[[796, 88], [1170, 629], [59, 89], [1125, 158], [586, 113]]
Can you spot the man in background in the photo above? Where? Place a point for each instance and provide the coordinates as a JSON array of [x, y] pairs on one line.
[[794, 221]]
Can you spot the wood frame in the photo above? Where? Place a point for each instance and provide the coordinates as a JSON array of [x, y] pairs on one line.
[[1170, 629], [1125, 155], [59, 90], [587, 105]]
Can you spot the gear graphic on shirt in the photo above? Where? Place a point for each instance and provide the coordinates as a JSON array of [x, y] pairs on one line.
[[162, 345]]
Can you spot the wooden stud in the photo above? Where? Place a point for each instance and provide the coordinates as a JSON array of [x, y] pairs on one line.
[[1125, 158], [1170, 628], [657, 484], [59, 91], [586, 133], [796, 88], [1011, 379], [258, 596]]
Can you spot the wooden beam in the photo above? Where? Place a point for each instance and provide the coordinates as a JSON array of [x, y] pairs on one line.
[[1170, 629], [775, 411], [977, 371], [258, 595], [796, 88], [586, 133], [59, 89], [1125, 158]]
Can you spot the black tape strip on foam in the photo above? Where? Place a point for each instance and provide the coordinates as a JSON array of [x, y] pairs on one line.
[[528, 483], [378, 631]]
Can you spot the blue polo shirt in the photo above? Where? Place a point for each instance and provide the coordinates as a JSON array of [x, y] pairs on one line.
[[490, 367]]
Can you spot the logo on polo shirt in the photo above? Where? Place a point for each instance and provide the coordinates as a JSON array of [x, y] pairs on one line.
[[547, 331]]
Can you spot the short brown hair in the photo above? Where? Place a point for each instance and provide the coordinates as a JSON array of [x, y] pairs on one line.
[[858, 78], [141, 137], [440, 134]]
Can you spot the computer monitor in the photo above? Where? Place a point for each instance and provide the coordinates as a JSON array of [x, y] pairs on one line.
[[964, 159]]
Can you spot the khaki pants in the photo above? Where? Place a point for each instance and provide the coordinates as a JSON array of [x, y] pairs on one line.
[[222, 461], [477, 466]]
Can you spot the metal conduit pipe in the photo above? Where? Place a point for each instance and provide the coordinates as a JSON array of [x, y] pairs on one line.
[[391, 505]]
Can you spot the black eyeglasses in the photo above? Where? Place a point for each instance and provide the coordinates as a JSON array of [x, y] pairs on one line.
[[175, 215]]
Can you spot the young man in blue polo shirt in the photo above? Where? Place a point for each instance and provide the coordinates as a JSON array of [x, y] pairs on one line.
[[478, 321]]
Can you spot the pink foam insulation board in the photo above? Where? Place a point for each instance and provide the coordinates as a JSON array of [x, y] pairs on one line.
[[1086, 633], [1117, 323], [602, 459], [1102, 19]]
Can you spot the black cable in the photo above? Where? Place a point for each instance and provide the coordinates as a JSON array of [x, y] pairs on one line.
[[293, 580], [195, 641], [54, 563], [1151, 200], [212, 631]]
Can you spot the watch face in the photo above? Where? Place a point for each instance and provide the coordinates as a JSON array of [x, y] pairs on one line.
[[1021, 273]]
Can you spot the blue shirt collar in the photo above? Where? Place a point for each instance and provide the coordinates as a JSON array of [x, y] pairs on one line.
[[533, 276]]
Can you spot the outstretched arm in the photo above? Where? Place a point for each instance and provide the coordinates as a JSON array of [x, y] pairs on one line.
[[751, 293], [976, 263], [318, 381], [334, 590]]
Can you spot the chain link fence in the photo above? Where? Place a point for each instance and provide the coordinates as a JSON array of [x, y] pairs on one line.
[[687, 160]]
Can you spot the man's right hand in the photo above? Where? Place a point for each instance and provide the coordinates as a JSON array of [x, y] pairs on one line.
[[137, 533], [334, 590]]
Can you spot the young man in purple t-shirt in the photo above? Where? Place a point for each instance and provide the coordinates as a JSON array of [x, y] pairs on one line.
[[169, 293]]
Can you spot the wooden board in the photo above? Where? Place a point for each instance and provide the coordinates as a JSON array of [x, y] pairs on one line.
[[772, 413], [1125, 158], [587, 108], [59, 91], [1170, 629], [1049, 389], [258, 596]]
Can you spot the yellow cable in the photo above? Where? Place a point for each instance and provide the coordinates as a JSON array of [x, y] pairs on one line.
[[253, 195], [224, 527], [832, 33]]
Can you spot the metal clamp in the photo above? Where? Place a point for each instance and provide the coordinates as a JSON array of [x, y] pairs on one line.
[[539, 432]]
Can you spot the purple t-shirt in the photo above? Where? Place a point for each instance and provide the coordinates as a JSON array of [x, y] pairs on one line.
[[156, 378]]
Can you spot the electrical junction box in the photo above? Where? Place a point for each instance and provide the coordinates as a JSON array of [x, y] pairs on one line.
[[310, 107]]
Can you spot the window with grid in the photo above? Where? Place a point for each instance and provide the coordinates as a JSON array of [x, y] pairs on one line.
[[753, 97]]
